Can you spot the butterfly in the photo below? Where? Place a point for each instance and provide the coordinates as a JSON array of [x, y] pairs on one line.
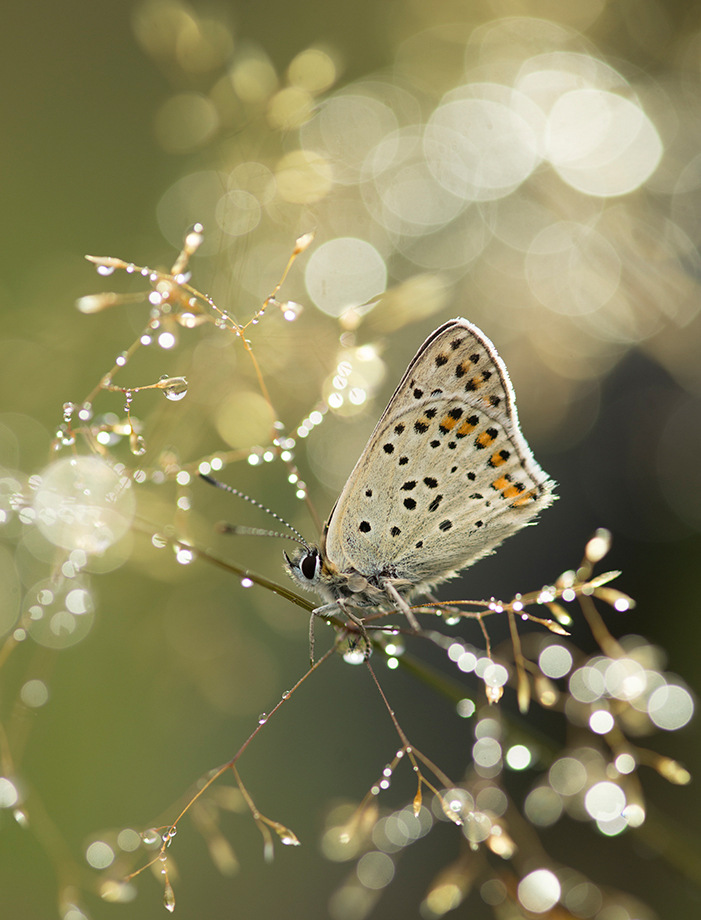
[[445, 477]]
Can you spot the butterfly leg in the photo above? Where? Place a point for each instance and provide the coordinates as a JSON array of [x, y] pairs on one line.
[[326, 611], [363, 632], [311, 640], [323, 612], [402, 605]]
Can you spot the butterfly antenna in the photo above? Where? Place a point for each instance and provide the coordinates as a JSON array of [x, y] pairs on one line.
[[239, 531], [230, 528]]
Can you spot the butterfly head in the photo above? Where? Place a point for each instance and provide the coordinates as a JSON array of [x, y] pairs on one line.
[[305, 567], [311, 568]]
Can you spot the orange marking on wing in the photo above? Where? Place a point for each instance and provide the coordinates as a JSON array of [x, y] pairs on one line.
[[465, 428], [511, 492], [501, 483], [497, 459], [524, 499], [449, 422], [485, 439]]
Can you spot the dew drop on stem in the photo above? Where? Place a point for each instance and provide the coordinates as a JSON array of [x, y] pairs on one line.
[[169, 898], [174, 388], [138, 446]]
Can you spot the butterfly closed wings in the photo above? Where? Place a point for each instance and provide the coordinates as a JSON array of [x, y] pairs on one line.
[[445, 477]]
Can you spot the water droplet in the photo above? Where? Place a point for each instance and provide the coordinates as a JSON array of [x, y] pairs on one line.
[[246, 583], [194, 238], [105, 270], [138, 446], [174, 388], [150, 837], [262, 718], [169, 898], [291, 310], [20, 817], [285, 694]]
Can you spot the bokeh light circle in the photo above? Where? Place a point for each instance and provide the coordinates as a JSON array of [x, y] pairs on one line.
[[605, 801], [480, 148], [59, 615], [344, 273], [670, 707], [602, 144], [539, 891], [83, 503]]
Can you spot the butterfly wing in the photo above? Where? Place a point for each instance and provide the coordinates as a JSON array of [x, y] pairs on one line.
[[446, 475]]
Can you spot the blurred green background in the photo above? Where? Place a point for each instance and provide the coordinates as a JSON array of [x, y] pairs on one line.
[[120, 126]]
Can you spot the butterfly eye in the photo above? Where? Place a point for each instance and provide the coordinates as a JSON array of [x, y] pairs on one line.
[[308, 565]]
